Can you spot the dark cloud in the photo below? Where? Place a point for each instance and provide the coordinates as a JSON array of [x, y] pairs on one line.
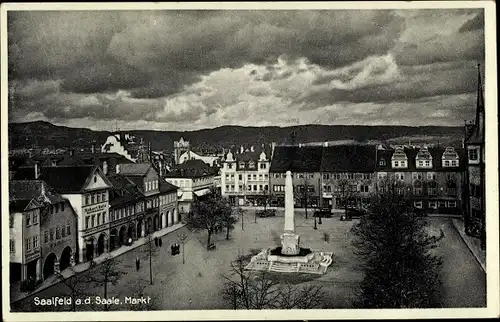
[[105, 51], [411, 87], [476, 23]]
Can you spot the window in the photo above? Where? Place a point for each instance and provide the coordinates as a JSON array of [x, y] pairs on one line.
[[382, 175], [229, 165], [396, 163], [382, 162], [310, 176], [266, 187], [353, 188], [400, 176], [418, 204], [451, 191], [11, 221], [98, 218], [326, 176], [433, 204], [432, 191], [350, 176], [431, 176], [46, 236], [260, 176], [51, 234], [420, 163], [254, 187], [276, 175], [63, 231], [249, 188], [255, 177], [92, 220], [427, 163], [418, 191], [104, 196], [98, 197], [262, 165], [278, 188], [35, 242], [473, 155], [301, 176], [249, 177], [227, 187], [366, 176], [87, 199], [442, 204], [28, 243], [364, 188], [12, 245], [56, 208], [62, 206], [446, 163], [417, 176], [260, 187], [58, 233], [240, 187], [232, 187], [310, 188], [68, 229], [452, 204], [240, 177]]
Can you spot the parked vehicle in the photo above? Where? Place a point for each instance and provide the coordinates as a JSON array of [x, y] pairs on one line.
[[323, 213], [266, 213], [353, 213]]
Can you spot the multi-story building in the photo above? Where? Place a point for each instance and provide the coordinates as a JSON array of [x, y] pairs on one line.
[[475, 172], [87, 189], [245, 177], [129, 215], [194, 178], [42, 231], [347, 175], [305, 164], [433, 177]]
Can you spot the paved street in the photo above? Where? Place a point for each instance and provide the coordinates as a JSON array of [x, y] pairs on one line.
[[198, 284]]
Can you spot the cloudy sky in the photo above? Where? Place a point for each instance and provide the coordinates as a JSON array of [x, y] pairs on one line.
[[186, 70]]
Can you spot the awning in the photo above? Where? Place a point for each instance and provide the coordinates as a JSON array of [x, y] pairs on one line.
[[202, 192]]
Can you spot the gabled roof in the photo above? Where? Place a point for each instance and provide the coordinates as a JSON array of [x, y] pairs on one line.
[[297, 159], [348, 158], [27, 190], [192, 169], [69, 179], [135, 169]]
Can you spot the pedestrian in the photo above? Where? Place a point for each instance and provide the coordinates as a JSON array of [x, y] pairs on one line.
[[137, 263], [129, 241], [159, 241]]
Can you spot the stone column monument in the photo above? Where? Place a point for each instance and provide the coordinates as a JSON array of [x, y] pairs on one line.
[[289, 239]]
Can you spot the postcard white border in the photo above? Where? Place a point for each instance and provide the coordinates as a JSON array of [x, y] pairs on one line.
[[493, 301]]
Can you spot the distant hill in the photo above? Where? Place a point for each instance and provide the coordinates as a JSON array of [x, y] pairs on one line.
[[44, 134]]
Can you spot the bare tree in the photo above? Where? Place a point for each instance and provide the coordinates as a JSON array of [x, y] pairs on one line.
[[107, 272], [76, 284], [151, 298], [183, 237], [150, 251], [259, 290]]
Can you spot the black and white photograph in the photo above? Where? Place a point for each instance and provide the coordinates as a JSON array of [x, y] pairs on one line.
[[255, 160]]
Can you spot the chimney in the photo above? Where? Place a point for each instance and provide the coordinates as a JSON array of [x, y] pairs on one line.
[[37, 171], [105, 167], [117, 168], [242, 149], [252, 149]]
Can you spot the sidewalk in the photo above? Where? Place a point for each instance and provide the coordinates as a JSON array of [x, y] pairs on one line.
[[311, 209], [472, 243], [16, 294]]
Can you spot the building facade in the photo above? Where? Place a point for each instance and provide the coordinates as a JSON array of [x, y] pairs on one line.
[[305, 164], [194, 179], [475, 215], [432, 177], [42, 233], [245, 177], [87, 190]]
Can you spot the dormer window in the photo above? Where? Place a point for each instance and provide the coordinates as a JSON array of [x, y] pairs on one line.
[[242, 165], [251, 165], [450, 158], [382, 162], [473, 154], [423, 159], [399, 159]]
